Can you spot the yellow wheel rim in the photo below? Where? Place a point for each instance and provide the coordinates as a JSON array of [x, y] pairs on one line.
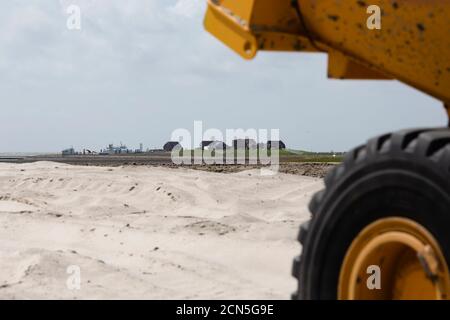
[[394, 258]]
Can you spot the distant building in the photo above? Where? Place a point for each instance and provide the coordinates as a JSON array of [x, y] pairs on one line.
[[204, 144], [216, 145], [276, 145], [262, 145], [169, 146], [68, 152], [140, 150], [111, 149], [213, 145], [244, 144]]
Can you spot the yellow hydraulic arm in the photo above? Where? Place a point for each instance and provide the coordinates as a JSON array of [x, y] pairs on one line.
[[412, 43]]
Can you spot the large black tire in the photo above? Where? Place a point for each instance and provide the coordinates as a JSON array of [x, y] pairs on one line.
[[404, 174]]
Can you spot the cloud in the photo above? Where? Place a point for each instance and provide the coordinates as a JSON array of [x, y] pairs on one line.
[[187, 8], [139, 69], [115, 35]]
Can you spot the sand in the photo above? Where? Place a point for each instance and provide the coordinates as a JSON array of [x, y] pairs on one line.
[[148, 233]]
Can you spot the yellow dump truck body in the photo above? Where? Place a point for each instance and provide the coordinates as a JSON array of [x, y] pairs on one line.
[[413, 44]]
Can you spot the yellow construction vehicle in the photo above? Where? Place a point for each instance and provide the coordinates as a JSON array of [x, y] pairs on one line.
[[380, 228]]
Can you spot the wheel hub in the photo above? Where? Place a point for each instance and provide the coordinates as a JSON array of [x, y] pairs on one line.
[[394, 258]]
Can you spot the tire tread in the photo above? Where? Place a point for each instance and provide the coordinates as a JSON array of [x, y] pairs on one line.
[[433, 144]]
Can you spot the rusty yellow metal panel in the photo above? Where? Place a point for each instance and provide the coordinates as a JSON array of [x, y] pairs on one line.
[[250, 25], [269, 15], [341, 66], [413, 44], [229, 23]]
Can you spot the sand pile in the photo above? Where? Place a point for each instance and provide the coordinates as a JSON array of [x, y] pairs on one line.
[[137, 232]]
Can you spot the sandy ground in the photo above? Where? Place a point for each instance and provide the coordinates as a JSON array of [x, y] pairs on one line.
[[152, 233]]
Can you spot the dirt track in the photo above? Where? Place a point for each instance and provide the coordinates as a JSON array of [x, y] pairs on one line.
[[162, 159]]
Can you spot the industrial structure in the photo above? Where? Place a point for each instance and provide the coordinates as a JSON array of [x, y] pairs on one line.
[[68, 152], [111, 149]]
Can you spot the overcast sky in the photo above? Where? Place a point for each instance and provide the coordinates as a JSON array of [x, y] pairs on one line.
[[139, 69]]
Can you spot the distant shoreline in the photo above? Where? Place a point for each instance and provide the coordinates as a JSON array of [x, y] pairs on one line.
[[26, 154]]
